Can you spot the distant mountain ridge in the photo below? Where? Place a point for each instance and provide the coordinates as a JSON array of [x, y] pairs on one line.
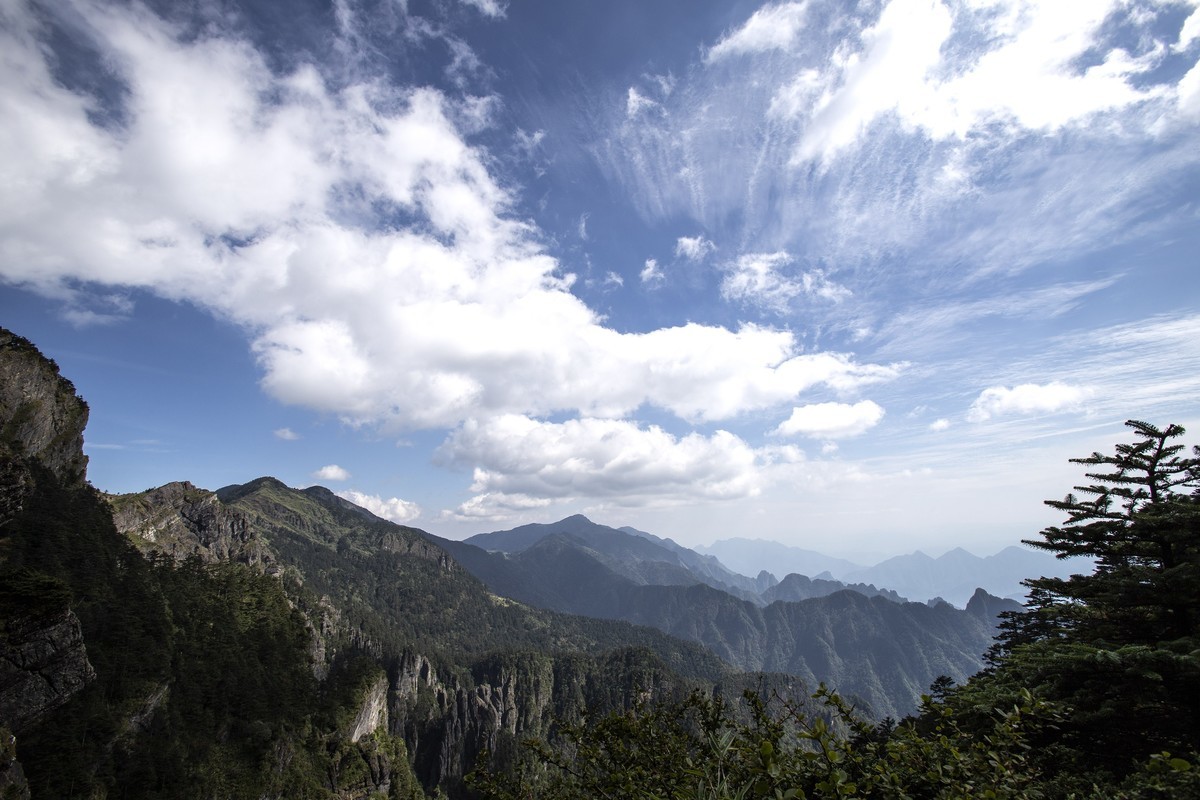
[[952, 577], [751, 556], [865, 641], [638, 556]]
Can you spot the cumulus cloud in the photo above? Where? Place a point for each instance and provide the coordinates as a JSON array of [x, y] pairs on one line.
[[331, 472], [617, 460], [495, 506], [272, 199], [693, 248], [770, 28], [393, 508], [651, 273], [1025, 399], [939, 424], [831, 420], [287, 434]]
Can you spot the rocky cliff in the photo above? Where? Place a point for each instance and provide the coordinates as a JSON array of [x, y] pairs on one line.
[[180, 520], [43, 662], [41, 417]]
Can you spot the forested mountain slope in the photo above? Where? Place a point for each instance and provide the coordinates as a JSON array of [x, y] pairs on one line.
[[263, 642], [881, 651]]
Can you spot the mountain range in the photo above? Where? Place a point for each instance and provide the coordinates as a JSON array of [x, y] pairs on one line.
[[819, 630], [953, 576], [261, 640]]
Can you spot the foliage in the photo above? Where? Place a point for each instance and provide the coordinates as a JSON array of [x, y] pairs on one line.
[[1121, 646], [697, 750]]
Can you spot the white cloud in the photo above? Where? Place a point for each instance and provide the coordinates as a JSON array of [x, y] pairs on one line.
[[583, 231], [287, 434], [758, 278], [613, 279], [693, 248], [331, 472], [257, 196], [1190, 31], [899, 52], [1028, 74], [393, 508], [940, 424], [603, 458], [651, 272], [1188, 93], [755, 278], [995, 134], [490, 8], [636, 103], [527, 143], [831, 420], [495, 506], [770, 28], [1027, 398]]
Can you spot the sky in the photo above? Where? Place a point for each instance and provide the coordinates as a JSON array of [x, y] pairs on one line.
[[857, 277]]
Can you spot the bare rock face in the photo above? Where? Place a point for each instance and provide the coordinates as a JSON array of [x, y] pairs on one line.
[[373, 713], [180, 520], [41, 417], [42, 664]]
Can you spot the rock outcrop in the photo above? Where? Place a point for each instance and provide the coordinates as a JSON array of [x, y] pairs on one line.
[[180, 520], [41, 417], [43, 662], [372, 712]]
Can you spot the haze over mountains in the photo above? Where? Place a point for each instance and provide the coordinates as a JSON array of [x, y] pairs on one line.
[[953, 576], [865, 639]]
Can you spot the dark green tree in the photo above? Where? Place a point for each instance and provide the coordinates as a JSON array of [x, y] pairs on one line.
[[1119, 646], [1143, 529]]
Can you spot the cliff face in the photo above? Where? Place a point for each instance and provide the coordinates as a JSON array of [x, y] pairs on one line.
[[41, 417], [43, 662]]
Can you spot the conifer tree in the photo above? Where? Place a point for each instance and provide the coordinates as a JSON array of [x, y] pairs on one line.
[[1120, 646], [1143, 531]]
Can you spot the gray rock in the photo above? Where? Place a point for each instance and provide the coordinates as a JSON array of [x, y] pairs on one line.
[[43, 663]]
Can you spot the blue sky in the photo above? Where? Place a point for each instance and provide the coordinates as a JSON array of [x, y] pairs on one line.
[[857, 277]]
